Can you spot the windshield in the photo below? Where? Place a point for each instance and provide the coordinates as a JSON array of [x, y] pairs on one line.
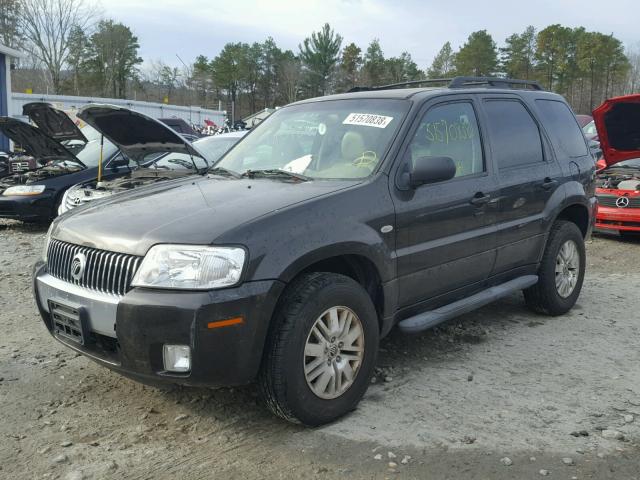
[[177, 161], [90, 154], [590, 128], [340, 139], [215, 147]]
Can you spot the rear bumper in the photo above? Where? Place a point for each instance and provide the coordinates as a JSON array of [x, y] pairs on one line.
[[29, 208], [127, 334], [613, 218]]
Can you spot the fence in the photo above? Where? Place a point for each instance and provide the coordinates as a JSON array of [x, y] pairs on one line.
[[192, 115]]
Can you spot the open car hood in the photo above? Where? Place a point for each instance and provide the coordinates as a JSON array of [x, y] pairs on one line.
[[55, 123], [618, 124], [137, 135], [34, 141]]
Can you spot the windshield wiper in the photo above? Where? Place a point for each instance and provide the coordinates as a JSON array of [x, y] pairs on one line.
[[223, 171], [274, 173]]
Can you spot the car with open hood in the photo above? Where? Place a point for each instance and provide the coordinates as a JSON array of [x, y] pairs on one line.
[[35, 195], [156, 151], [331, 222], [618, 178], [35, 149]]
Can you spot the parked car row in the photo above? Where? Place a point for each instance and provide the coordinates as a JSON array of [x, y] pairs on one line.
[[124, 148]]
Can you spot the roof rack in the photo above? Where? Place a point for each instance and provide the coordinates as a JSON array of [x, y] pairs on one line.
[[458, 82], [409, 83], [461, 82]]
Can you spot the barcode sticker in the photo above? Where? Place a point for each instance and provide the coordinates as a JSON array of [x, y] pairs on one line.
[[367, 120]]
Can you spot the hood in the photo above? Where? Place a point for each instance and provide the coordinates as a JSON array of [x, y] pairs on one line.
[[55, 123], [618, 124], [137, 135], [194, 210], [35, 142]]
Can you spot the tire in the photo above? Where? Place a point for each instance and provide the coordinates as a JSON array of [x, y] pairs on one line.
[[545, 297], [283, 383]]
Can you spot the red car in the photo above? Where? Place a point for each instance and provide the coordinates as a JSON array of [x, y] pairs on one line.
[[618, 183]]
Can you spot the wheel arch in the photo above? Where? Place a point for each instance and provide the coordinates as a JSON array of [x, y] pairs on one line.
[[353, 263], [577, 213]]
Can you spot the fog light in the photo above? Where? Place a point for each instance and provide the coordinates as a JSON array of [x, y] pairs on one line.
[[177, 358]]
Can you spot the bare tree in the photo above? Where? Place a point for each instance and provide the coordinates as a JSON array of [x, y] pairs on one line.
[[633, 77], [46, 25]]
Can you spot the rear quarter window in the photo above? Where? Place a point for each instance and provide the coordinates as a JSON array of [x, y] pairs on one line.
[[515, 137], [560, 122]]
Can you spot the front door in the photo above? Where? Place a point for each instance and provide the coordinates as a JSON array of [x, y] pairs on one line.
[[445, 237]]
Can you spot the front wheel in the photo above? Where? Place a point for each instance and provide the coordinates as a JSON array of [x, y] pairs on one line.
[[322, 349], [561, 271]]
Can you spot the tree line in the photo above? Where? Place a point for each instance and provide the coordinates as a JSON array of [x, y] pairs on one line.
[[75, 50]]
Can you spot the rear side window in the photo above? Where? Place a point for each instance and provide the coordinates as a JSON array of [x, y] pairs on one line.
[[450, 130], [562, 127], [515, 138]]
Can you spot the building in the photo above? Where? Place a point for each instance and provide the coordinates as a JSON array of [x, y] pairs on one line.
[[6, 55]]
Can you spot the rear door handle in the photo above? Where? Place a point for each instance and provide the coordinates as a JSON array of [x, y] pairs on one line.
[[480, 199], [548, 183]]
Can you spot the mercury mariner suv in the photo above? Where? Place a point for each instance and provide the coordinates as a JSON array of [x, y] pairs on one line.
[[328, 224]]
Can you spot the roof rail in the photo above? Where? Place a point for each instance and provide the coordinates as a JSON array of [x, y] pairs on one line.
[[461, 82], [409, 83], [458, 82]]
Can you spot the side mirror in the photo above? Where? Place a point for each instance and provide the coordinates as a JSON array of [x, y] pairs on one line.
[[119, 162], [425, 170]]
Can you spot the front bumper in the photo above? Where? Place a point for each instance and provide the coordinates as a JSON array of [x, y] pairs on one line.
[[613, 218], [127, 333], [27, 207]]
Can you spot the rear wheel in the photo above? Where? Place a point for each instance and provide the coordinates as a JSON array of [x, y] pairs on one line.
[[321, 351], [561, 271]]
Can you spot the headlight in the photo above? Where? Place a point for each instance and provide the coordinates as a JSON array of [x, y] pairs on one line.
[[47, 240], [24, 190], [63, 203], [190, 267]]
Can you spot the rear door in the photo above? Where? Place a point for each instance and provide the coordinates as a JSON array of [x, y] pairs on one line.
[[528, 175], [445, 237]]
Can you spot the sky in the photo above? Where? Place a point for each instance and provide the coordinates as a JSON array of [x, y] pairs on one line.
[[166, 28]]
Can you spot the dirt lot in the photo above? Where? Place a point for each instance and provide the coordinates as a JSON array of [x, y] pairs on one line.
[[500, 393]]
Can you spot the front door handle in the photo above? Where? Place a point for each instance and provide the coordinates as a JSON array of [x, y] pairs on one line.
[[548, 183], [480, 199]]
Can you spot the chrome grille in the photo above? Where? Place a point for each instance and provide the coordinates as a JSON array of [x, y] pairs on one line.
[[106, 272], [610, 201]]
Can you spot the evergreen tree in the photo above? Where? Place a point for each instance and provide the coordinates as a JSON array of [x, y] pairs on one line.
[[442, 65], [477, 57], [319, 55]]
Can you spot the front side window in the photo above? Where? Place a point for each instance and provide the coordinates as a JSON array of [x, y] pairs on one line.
[[450, 130], [515, 138], [338, 139]]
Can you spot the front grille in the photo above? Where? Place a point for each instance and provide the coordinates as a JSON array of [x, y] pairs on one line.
[[610, 201], [106, 272], [17, 167]]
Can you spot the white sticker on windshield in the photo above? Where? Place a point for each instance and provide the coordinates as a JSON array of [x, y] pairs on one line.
[[367, 120], [299, 165]]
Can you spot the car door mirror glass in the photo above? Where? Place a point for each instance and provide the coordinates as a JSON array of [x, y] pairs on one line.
[[119, 162], [425, 170]]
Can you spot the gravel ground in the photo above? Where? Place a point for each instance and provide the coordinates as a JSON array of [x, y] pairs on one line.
[[499, 393]]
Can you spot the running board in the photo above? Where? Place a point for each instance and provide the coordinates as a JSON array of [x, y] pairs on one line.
[[426, 320]]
